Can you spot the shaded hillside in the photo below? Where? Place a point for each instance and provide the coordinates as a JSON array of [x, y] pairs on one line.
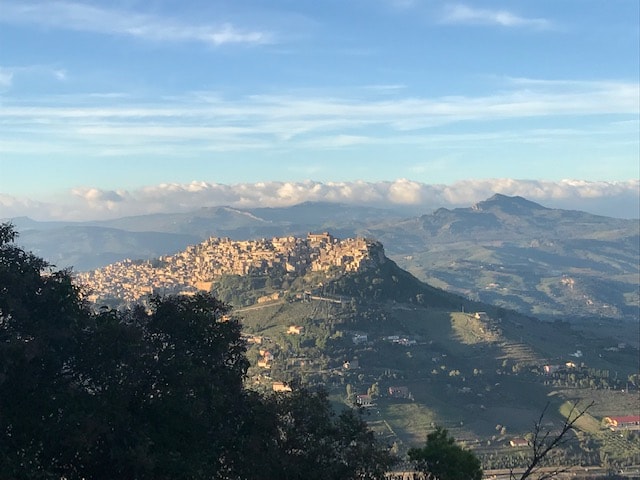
[[421, 363], [385, 281]]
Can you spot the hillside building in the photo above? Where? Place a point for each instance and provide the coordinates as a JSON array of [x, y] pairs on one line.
[[625, 422], [364, 400], [399, 392]]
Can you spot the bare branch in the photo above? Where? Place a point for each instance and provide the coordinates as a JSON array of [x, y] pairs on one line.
[[543, 442]]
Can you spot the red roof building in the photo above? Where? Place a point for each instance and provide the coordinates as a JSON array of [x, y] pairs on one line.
[[625, 422]]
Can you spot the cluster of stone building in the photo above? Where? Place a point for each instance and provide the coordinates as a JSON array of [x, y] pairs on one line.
[[197, 267]]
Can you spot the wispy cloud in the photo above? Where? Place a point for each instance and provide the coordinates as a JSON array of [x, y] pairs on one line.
[[390, 88], [104, 124], [594, 98], [94, 203], [6, 77], [90, 18], [463, 14], [402, 4], [8, 74]]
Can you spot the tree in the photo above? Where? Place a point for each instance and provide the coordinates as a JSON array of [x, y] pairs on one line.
[[154, 393], [543, 441], [169, 383], [351, 396], [150, 393], [41, 316], [443, 458], [312, 442]]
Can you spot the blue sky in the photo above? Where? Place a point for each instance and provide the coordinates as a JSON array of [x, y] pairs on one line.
[[103, 101]]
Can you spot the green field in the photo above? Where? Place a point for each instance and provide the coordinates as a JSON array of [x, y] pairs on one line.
[[480, 376]]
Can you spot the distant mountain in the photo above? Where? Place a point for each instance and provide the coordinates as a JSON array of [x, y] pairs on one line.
[[509, 205], [203, 223], [325, 214], [67, 244], [507, 251], [515, 253], [87, 248]]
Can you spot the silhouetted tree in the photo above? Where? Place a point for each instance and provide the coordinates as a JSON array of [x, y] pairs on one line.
[[312, 442], [150, 393], [442, 458], [41, 317]]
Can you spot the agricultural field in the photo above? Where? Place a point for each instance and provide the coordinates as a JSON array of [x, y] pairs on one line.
[[477, 375]]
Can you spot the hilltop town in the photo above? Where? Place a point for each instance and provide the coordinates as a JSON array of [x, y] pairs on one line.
[[199, 266]]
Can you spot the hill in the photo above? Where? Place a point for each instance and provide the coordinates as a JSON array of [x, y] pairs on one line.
[[514, 253], [415, 356], [341, 314], [506, 251], [356, 268]]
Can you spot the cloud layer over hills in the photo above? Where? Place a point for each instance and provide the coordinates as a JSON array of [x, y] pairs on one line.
[[615, 199]]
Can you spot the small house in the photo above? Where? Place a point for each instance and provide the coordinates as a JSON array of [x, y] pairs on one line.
[[625, 422], [280, 387], [264, 363], [364, 400], [295, 330], [399, 392], [359, 338], [351, 364], [266, 354], [519, 442]]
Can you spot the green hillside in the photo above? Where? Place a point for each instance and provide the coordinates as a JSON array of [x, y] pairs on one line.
[[473, 368]]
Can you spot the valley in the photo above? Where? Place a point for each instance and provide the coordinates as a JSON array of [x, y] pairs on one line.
[[483, 379], [339, 314]]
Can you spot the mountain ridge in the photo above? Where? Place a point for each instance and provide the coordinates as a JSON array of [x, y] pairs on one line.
[[514, 203], [507, 251]]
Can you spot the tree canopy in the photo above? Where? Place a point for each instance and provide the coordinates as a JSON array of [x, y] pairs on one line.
[[151, 392], [444, 459]]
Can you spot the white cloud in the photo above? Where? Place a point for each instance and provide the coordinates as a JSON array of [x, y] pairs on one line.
[[60, 74], [6, 77], [405, 192], [97, 196], [463, 14], [229, 34], [618, 199], [8, 74], [89, 18], [11, 206]]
